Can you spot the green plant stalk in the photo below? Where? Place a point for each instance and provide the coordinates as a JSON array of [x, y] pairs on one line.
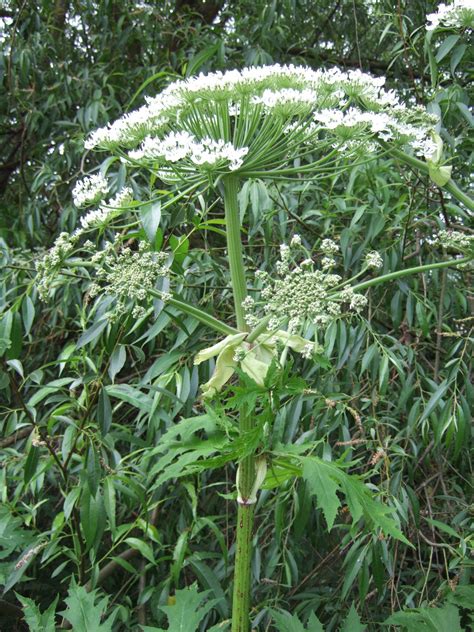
[[450, 186], [246, 477], [199, 314], [234, 247], [243, 558], [259, 329], [401, 273]]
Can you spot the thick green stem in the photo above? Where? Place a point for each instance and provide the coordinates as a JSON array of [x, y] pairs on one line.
[[199, 314], [243, 555], [234, 247], [259, 329], [450, 186], [401, 273], [242, 585], [246, 476]]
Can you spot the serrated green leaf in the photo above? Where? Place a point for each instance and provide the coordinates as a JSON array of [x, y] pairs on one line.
[[362, 502], [463, 596], [359, 497], [208, 579], [322, 485], [36, 620], [85, 612], [444, 619], [314, 624], [187, 612], [352, 623], [285, 622]]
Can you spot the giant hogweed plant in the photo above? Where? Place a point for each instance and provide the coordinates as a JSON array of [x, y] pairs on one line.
[[214, 133]]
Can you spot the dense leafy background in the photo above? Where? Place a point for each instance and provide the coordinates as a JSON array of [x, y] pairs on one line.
[[82, 522]]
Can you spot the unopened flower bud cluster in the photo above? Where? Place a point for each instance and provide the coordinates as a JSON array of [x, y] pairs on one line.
[[128, 275], [49, 266], [453, 239], [302, 293], [374, 260]]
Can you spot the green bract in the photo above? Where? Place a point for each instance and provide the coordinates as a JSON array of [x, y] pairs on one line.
[[254, 358]]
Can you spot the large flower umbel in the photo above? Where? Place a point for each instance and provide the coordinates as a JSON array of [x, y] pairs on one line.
[[257, 120], [297, 293]]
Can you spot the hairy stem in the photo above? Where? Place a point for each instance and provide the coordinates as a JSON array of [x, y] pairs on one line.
[[246, 477], [243, 556]]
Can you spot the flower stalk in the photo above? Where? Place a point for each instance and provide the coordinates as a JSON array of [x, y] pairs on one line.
[[199, 314], [242, 579], [234, 248], [392, 276], [246, 473], [450, 185]]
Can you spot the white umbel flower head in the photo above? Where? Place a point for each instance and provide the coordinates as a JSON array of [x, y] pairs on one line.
[[90, 190], [107, 210], [258, 120], [178, 146], [373, 260], [456, 15]]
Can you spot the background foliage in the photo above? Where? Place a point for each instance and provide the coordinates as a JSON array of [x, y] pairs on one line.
[[84, 529]]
